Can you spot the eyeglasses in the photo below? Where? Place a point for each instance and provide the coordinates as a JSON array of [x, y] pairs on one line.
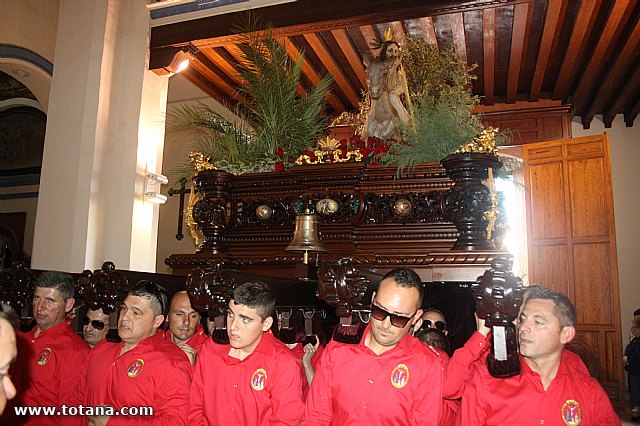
[[433, 324], [97, 324], [380, 314]]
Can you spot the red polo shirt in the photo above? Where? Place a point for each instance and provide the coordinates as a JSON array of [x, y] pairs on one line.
[[48, 372], [155, 374], [450, 407], [196, 341], [263, 389], [354, 386], [572, 397], [458, 371]]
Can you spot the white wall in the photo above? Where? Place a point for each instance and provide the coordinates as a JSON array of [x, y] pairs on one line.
[[624, 145]]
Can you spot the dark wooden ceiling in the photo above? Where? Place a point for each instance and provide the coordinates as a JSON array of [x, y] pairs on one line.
[[582, 53]]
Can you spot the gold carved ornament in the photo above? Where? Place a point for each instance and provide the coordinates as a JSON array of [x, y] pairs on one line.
[[328, 151], [485, 142]]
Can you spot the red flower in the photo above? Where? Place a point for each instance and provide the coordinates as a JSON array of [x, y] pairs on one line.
[[343, 143], [279, 152], [366, 151], [279, 166]]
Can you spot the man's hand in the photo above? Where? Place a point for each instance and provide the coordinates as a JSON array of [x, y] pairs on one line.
[[482, 328], [309, 351], [98, 420], [191, 353]]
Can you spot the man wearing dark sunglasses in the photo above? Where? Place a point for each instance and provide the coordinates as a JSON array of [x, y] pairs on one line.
[[389, 377], [433, 318], [95, 326], [144, 370]]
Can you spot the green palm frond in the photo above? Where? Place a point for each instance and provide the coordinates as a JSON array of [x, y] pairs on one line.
[[274, 115]]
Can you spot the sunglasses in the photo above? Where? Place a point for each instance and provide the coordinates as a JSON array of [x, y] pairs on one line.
[[97, 324], [433, 324], [380, 314]]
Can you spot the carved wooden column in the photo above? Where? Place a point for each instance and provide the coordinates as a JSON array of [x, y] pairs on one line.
[[498, 294], [211, 213], [469, 201]]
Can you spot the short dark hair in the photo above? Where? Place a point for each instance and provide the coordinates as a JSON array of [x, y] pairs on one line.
[[8, 314], [563, 307], [57, 280], [255, 295], [636, 312], [156, 294], [433, 337], [407, 278]]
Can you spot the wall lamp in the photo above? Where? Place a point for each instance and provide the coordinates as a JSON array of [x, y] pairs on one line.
[[151, 180], [181, 58]]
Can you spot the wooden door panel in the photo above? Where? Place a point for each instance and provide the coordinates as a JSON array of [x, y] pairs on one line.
[[548, 210], [550, 267], [589, 215], [592, 287], [568, 188]]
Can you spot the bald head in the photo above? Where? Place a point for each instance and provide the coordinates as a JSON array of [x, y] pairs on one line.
[[183, 319]]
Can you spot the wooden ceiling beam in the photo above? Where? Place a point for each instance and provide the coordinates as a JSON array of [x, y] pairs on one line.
[[370, 36], [338, 76], [629, 93], [459, 39], [518, 47], [288, 19], [352, 56], [310, 73], [610, 87], [429, 31], [591, 76], [204, 84], [631, 115], [583, 25], [217, 77], [489, 45], [556, 10]]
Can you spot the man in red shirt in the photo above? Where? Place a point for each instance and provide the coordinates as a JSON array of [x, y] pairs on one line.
[[185, 330], [53, 358], [95, 326], [552, 387], [144, 370], [390, 377], [255, 379]]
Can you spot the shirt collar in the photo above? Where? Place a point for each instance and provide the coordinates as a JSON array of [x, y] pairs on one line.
[[56, 330], [147, 344], [403, 344]]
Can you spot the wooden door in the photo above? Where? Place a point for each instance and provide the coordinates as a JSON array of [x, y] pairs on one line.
[[572, 247]]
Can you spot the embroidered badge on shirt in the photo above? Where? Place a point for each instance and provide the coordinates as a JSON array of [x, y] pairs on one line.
[[571, 413], [135, 368], [400, 376], [44, 356], [258, 379]]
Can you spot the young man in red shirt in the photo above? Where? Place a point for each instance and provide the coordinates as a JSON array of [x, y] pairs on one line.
[[390, 377], [185, 330], [552, 387], [255, 379], [53, 358], [144, 370]]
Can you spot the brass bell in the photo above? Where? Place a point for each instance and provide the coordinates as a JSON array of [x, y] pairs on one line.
[[306, 238]]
